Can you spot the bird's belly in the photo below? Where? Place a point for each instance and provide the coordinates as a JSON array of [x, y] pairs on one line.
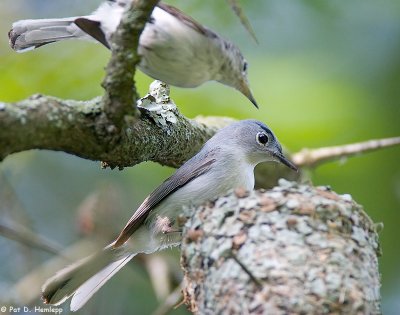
[[202, 189], [175, 53], [172, 72], [193, 194]]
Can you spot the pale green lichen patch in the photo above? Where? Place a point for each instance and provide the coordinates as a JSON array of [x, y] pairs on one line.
[[55, 111], [92, 107], [53, 115], [18, 113], [34, 102], [159, 107], [160, 91]]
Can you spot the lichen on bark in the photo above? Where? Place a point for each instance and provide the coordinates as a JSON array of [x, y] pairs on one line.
[[294, 249]]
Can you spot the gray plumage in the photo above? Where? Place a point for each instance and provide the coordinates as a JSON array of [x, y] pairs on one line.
[[174, 48], [225, 162]]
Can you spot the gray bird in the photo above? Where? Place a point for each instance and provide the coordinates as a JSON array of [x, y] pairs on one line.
[[225, 162], [174, 48]]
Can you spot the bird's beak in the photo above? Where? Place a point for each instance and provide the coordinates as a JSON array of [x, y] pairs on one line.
[[285, 161], [244, 88]]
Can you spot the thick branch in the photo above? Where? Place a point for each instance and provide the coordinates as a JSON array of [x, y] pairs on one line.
[[160, 134], [81, 128], [110, 130], [293, 250], [120, 97]]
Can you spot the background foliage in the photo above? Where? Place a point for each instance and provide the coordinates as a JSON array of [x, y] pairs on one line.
[[324, 72]]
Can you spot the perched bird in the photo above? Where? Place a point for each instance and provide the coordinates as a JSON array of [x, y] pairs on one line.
[[174, 48], [225, 162]]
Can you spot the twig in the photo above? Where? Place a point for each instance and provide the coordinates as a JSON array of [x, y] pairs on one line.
[[171, 302], [246, 270], [313, 157], [158, 271], [235, 6], [29, 238], [16, 224]]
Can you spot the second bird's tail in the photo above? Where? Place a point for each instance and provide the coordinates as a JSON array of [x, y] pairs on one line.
[[30, 34]]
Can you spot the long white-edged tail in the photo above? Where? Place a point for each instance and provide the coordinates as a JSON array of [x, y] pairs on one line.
[[84, 278], [30, 34]]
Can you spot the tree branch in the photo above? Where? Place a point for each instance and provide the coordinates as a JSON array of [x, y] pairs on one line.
[[313, 157], [28, 238], [111, 130], [237, 9], [171, 301], [294, 249], [159, 133], [120, 97], [81, 128], [107, 129]]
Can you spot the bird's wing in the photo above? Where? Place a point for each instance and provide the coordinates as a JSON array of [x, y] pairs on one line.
[[189, 21], [181, 177], [93, 29]]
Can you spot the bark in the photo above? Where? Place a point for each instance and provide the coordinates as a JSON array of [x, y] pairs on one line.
[[83, 129], [120, 97], [158, 133], [294, 249], [109, 129]]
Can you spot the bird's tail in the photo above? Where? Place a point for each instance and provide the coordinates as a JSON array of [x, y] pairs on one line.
[[84, 278], [30, 34]]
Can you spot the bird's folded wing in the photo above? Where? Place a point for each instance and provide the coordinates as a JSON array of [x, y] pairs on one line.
[[181, 177], [92, 28], [186, 19]]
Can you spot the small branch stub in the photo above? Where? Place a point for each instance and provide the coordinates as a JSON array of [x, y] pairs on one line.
[[293, 250]]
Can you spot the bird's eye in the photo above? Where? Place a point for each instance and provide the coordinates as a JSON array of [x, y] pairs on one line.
[[245, 66], [262, 138]]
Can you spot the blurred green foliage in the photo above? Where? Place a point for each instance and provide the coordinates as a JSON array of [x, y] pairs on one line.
[[325, 73]]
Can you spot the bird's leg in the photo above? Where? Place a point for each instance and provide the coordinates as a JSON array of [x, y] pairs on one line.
[[170, 229], [166, 226]]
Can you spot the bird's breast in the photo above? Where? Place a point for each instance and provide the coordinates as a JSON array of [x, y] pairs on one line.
[[176, 53]]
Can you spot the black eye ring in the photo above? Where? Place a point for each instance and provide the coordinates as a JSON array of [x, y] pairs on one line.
[[262, 138]]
